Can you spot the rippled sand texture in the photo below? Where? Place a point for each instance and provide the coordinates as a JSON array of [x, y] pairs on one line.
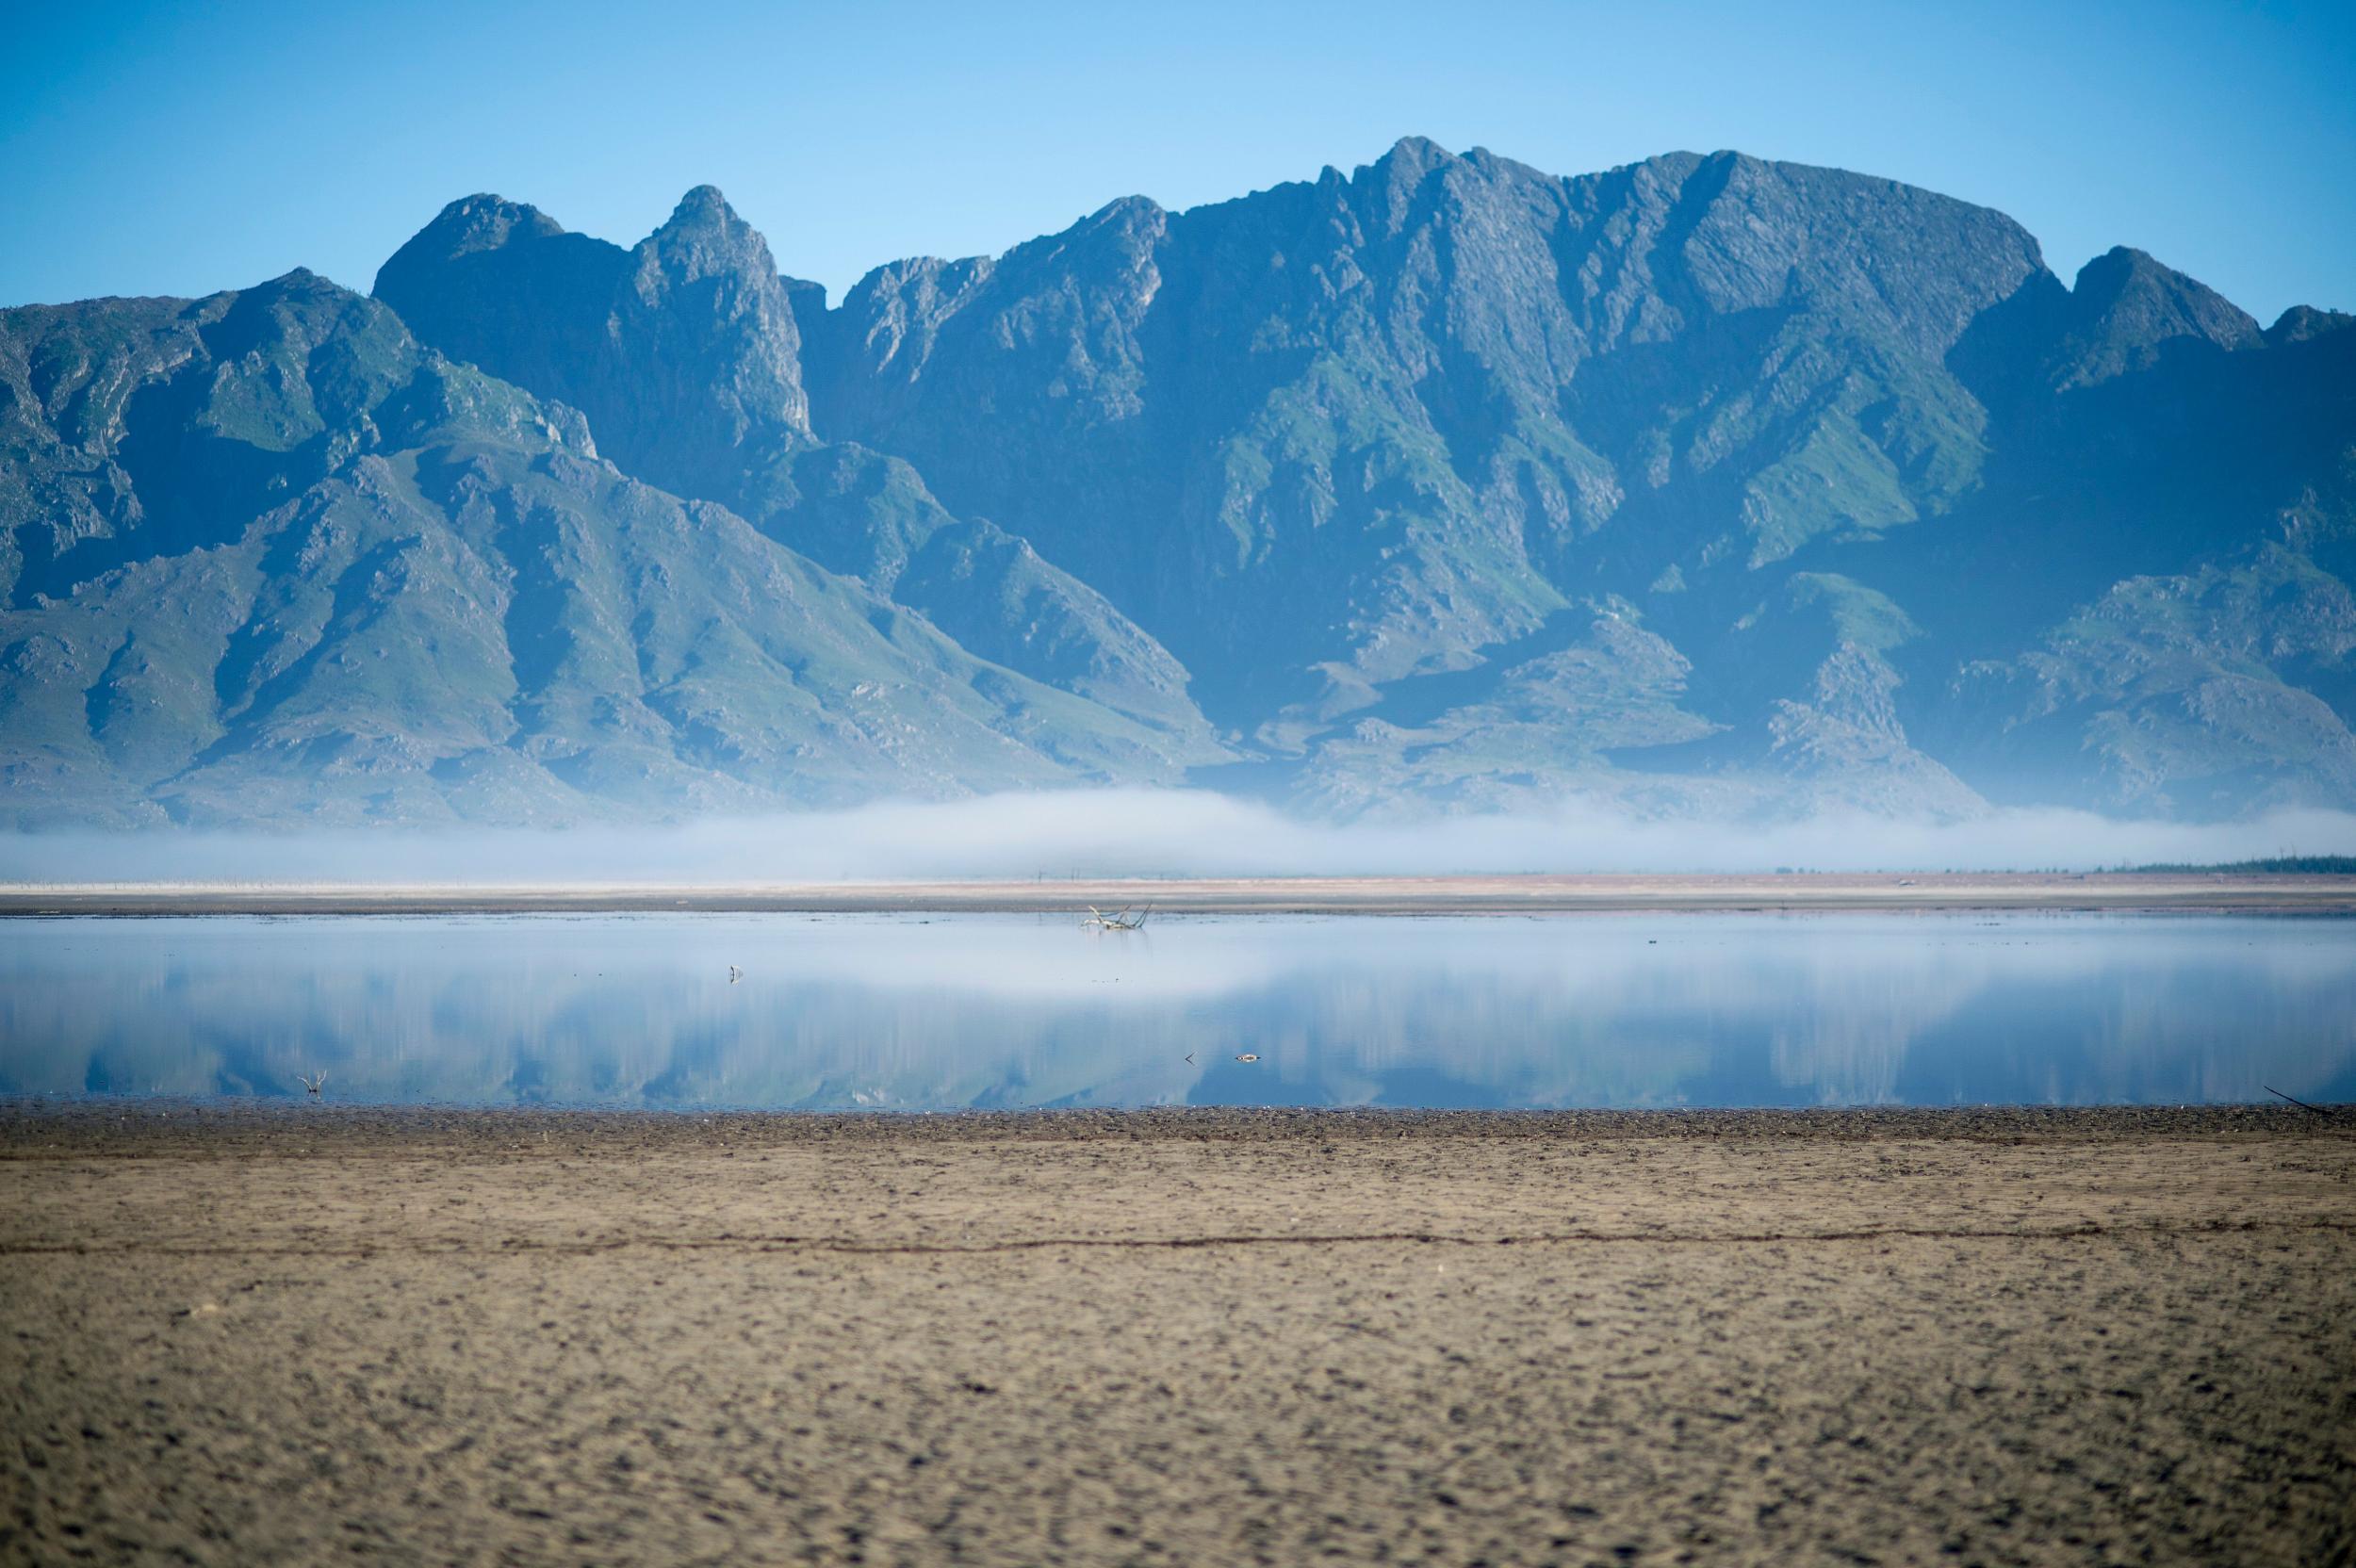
[[1174, 1337]]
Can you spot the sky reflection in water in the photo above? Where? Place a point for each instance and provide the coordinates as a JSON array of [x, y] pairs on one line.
[[912, 1013]]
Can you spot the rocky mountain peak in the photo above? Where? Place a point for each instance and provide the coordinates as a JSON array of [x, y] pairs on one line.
[[715, 329], [704, 238], [1411, 158], [680, 351], [1394, 180], [482, 223], [2126, 305], [2301, 322]]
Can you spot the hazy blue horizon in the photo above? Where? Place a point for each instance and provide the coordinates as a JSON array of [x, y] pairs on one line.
[[169, 149]]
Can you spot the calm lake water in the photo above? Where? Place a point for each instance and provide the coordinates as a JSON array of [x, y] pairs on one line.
[[913, 1013]]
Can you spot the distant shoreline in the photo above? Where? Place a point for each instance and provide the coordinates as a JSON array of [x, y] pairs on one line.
[[2109, 891], [36, 1128]]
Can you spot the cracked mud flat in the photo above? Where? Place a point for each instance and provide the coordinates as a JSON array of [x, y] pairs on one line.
[[247, 1336]]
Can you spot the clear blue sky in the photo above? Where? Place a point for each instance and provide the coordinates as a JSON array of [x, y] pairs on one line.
[[178, 149]]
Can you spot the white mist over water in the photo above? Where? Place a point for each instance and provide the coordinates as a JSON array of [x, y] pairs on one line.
[[1148, 833]]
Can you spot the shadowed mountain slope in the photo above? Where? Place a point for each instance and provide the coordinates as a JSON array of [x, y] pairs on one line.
[[1335, 439], [279, 561], [685, 356]]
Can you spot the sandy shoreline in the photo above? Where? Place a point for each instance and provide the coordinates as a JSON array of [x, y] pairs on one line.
[[249, 1334], [1280, 895]]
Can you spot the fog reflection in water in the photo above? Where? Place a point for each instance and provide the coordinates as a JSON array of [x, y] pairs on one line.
[[912, 1013]]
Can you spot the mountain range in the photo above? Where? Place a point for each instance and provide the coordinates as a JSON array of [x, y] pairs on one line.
[[1706, 485]]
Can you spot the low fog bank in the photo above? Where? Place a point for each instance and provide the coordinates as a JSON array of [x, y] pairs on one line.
[[1148, 833]]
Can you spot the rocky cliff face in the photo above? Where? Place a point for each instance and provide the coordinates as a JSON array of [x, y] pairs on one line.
[[1701, 484], [1418, 406], [686, 356], [683, 352], [1336, 438]]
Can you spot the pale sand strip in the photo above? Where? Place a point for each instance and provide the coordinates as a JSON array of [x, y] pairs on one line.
[[1178, 1337], [1362, 895]]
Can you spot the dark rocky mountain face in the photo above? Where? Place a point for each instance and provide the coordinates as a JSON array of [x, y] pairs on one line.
[[1705, 484], [685, 355], [1427, 406], [682, 352], [1834, 444]]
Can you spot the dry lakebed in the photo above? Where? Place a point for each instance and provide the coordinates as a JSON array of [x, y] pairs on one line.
[[243, 1335]]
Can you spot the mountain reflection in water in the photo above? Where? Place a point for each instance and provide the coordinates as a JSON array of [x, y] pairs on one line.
[[912, 1013]]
